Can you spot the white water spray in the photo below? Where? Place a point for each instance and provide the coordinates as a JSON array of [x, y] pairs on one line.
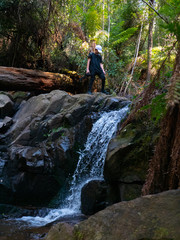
[[90, 166]]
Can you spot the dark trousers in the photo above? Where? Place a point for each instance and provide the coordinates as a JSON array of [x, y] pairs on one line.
[[101, 76]]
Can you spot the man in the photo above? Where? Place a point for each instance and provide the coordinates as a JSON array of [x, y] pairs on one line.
[[95, 67]]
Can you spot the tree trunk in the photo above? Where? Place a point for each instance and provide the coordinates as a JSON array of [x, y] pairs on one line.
[[136, 55], [103, 16], [150, 44], [19, 79], [164, 169], [109, 20]]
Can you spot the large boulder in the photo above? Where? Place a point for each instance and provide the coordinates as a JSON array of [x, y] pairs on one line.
[[153, 217], [128, 157], [43, 142]]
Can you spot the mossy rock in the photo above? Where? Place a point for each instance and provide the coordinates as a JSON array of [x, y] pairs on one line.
[[61, 231], [129, 153], [153, 217], [128, 158]]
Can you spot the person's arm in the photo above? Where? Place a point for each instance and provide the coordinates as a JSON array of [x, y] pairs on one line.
[[88, 64], [101, 65]]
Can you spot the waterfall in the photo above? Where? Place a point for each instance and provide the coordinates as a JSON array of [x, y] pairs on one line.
[[91, 160], [89, 167]]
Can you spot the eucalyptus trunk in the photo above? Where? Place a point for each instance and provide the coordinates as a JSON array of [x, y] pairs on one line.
[[103, 16], [109, 20], [150, 43]]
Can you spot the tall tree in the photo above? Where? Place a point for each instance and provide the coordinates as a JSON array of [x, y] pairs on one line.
[[150, 41], [109, 19]]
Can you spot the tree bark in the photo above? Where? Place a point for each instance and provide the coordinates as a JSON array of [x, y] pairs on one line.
[[164, 169], [150, 44], [109, 20], [19, 79]]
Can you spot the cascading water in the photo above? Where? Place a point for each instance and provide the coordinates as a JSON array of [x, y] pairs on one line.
[[90, 166], [91, 159]]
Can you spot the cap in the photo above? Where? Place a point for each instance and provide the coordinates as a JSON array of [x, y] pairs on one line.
[[99, 48]]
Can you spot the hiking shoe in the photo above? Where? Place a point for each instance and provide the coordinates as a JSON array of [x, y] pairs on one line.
[[103, 91], [89, 92]]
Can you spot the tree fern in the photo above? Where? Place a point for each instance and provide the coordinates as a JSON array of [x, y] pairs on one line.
[[174, 92], [124, 36], [174, 88]]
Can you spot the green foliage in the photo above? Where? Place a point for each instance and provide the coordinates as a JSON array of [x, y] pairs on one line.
[[78, 235], [91, 21], [124, 36], [174, 91], [114, 67], [54, 130], [125, 23], [77, 56], [159, 54], [161, 232], [101, 37], [21, 29], [157, 107], [171, 10]]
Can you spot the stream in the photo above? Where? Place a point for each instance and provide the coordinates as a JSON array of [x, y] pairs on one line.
[[89, 167]]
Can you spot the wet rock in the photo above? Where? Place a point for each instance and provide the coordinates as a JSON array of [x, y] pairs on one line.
[[47, 132], [6, 195], [128, 157], [34, 189], [150, 217], [130, 190], [93, 197], [19, 97], [5, 124], [10, 211], [6, 106], [115, 103], [28, 158]]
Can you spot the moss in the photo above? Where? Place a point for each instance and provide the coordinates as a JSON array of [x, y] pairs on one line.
[[19, 95], [161, 232], [78, 235], [157, 108], [130, 191], [130, 152]]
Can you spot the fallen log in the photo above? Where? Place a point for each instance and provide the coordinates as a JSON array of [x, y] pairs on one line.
[[20, 79]]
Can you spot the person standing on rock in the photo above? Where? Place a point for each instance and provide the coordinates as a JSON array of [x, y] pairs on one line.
[[95, 67]]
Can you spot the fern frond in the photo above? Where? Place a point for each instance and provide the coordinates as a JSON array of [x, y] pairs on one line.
[[124, 36], [174, 91], [173, 95]]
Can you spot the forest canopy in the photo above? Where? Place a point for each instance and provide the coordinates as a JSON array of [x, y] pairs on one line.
[[50, 35]]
